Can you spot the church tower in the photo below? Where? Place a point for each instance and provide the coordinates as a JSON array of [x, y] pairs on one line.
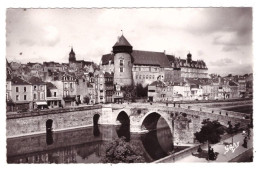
[[189, 59], [123, 62], [72, 57]]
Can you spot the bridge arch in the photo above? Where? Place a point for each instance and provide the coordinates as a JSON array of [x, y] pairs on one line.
[[151, 118], [122, 116]]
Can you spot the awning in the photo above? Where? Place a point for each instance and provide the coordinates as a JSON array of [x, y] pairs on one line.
[[41, 103]]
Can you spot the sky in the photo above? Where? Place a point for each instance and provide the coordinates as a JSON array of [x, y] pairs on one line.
[[222, 37]]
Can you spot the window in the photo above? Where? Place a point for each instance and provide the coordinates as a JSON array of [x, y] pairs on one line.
[[146, 76], [34, 87], [24, 97], [34, 96], [121, 69], [41, 87], [143, 76], [24, 89], [150, 76], [17, 89], [54, 94], [17, 97], [71, 85], [153, 76], [121, 62], [42, 95]]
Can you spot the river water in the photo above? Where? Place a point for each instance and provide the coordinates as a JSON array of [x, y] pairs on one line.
[[86, 145]]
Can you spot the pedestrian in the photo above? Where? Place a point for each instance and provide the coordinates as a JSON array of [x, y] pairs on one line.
[[174, 104], [245, 142]]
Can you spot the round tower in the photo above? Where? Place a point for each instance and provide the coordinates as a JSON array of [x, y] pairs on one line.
[[123, 62], [72, 57]]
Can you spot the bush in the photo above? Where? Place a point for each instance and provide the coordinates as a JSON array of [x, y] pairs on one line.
[[120, 151]]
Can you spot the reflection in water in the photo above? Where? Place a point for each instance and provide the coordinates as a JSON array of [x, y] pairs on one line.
[[83, 145], [49, 137], [123, 130], [157, 145], [96, 131]]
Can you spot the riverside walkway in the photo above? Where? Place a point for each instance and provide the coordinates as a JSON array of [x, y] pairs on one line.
[[224, 155]]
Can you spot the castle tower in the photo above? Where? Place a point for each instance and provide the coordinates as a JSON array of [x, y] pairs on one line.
[[72, 57], [123, 62]]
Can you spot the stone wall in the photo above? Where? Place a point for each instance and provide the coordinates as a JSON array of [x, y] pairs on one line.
[[35, 122]]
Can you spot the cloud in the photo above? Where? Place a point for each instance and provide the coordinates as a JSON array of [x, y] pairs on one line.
[[47, 36], [222, 62], [200, 53], [229, 48], [27, 41]]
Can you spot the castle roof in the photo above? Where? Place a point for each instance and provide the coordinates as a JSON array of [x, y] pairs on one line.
[[142, 58], [150, 58], [122, 41]]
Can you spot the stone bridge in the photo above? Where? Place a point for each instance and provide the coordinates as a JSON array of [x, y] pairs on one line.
[[183, 121]]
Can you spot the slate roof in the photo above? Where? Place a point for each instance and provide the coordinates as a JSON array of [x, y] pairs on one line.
[[142, 58], [36, 81], [50, 85], [231, 83], [18, 81], [157, 83], [122, 42], [150, 58]]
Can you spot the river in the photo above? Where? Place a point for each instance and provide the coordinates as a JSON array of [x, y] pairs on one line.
[[86, 145]]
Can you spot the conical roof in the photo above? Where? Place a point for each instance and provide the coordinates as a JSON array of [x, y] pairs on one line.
[[122, 41]]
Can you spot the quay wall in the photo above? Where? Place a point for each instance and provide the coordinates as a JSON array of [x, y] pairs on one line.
[[35, 122]]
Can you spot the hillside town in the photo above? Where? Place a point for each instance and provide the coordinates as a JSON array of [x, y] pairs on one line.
[[124, 75]]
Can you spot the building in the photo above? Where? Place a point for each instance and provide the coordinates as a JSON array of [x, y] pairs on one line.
[[21, 94], [192, 69], [52, 66], [39, 93], [109, 86], [144, 67], [123, 62], [53, 97], [77, 65], [69, 81]]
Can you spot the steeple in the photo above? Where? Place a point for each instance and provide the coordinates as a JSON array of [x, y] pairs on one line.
[[189, 58], [122, 45], [72, 57]]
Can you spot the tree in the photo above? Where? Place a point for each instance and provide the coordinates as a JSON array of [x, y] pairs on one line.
[[86, 99], [129, 92], [210, 132], [141, 91], [232, 130], [120, 151]]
